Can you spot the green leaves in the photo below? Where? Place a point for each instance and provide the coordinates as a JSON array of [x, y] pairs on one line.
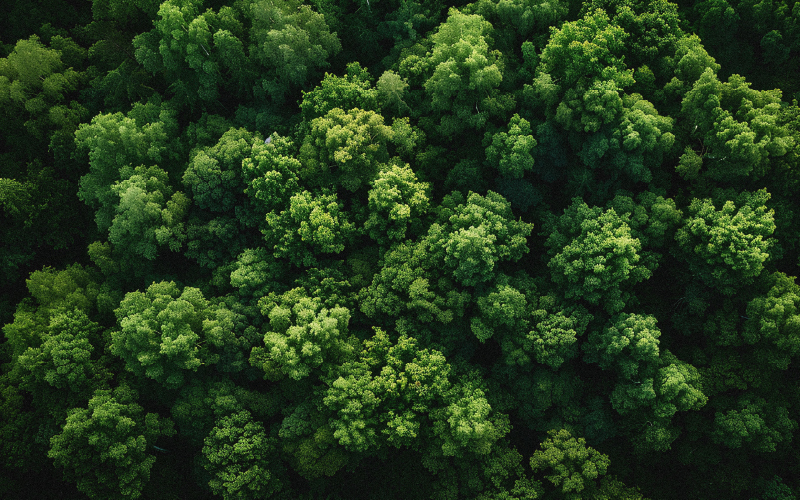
[[240, 457], [397, 202], [64, 360], [727, 248], [632, 334], [353, 90], [581, 84], [481, 233], [512, 153], [397, 393], [149, 214], [162, 331], [271, 172], [594, 255], [774, 321], [466, 72], [738, 126], [35, 90], [290, 40], [754, 423], [570, 465], [345, 147], [312, 225], [103, 448], [254, 49], [115, 144], [386, 393], [302, 336]]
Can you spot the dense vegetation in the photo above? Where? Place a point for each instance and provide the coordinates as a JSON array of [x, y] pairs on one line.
[[507, 249]]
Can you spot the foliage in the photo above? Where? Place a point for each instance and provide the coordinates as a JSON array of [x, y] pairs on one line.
[[465, 73], [104, 447], [165, 331], [594, 256], [302, 336], [238, 454], [305, 229], [312, 225], [727, 248], [573, 464]]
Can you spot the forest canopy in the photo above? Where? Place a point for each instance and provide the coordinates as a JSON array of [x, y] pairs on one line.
[[500, 249]]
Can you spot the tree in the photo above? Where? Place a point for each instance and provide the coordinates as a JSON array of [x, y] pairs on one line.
[[271, 173], [302, 337], [573, 467], [650, 403], [307, 437], [222, 217], [240, 457], [395, 393], [517, 20], [628, 343], [115, 145], [65, 358], [165, 331], [253, 49], [293, 42], [512, 153], [727, 248], [345, 148], [479, 235], [103, 448], [504, 308], [775, 319], [398, 202], [653, 219], [391, 89], [54, 293], [35, 90], [465, 74], [581, 82], [312, 225], [148, 214], [737, 127], [594, 256], [353, 90], [753, 422]]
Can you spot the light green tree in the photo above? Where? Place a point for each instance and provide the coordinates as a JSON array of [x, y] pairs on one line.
[[165, 332], [628, 343], [149, 214], [594, 256], [512, 152], [302, 336], [345, 148], [312, 225], [353, 90], [64, 360], [398, 203], [727, 248], [465, 73], [774, 321], [115, 144], [103, 447], [480, 234], [240, 457], [570, 465]]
